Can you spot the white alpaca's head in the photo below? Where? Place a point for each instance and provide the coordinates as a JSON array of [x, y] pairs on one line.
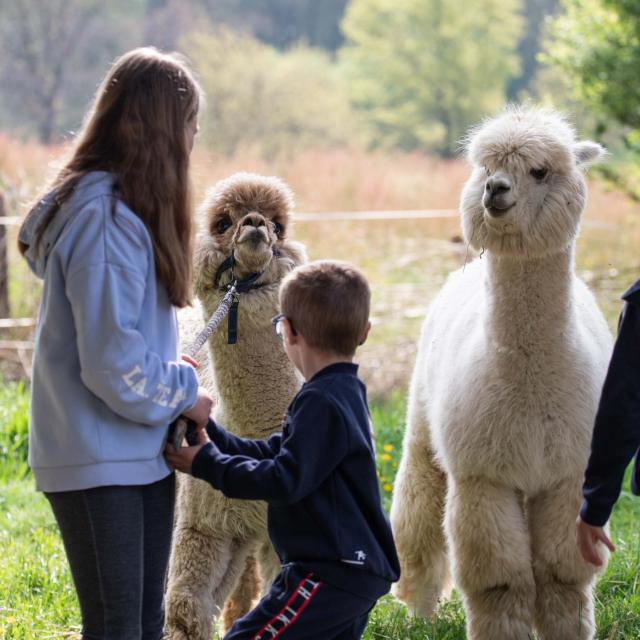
[[527, 190]]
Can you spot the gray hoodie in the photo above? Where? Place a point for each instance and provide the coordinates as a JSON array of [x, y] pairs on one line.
[[107, 380]]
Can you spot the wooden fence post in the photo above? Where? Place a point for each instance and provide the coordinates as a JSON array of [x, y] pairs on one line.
[[4, 265]]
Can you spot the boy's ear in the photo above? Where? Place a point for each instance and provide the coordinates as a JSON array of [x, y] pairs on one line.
[[365, 333], [289, 335]]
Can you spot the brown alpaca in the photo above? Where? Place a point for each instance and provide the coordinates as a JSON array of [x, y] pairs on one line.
[[216, 539]]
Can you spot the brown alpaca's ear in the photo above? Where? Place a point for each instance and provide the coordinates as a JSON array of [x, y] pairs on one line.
[[588, 152]]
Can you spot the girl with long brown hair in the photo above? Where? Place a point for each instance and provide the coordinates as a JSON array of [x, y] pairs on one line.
[[112, 241]]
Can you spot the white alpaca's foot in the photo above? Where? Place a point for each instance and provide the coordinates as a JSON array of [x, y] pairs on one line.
[[564, 611], [564, 581], [417, 514], [421, 597]]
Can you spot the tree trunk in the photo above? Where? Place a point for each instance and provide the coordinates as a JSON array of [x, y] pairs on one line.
[[4, 266]]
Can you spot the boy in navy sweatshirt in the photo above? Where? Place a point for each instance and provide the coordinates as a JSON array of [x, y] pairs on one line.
[[616, 433], [318, 476]]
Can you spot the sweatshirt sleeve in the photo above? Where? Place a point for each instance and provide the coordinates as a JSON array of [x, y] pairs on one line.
[[234, 445], [316, 443], [616, 434], [116, 363]]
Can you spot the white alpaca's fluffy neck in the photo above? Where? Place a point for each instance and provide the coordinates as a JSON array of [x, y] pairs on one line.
[[529, 299]]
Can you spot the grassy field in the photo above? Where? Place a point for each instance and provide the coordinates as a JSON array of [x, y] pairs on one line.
[[407, 261], [37, 600]]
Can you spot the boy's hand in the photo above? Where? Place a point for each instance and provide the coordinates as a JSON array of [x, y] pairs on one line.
[[588, 537], [183, 459]]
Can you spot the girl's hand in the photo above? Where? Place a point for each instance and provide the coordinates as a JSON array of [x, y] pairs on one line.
[[201, 410], [183, 460], [190, 360], [588, 537]]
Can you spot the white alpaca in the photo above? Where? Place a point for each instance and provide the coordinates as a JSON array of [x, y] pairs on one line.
[[511, 361]]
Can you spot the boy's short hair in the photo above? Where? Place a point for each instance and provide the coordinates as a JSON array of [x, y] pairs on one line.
[[327, 302]]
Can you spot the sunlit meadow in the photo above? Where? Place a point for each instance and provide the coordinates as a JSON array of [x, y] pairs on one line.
[[407, 261]]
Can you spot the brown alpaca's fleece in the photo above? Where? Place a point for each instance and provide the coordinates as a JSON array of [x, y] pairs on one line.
[[215, 537]]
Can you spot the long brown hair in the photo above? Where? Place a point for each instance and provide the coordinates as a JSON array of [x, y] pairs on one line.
[[136, 130]]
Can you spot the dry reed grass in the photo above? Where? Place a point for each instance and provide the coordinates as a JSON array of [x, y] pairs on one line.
[[406, 260]]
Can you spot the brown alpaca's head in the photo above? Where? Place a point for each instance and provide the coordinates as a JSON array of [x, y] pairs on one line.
[[247, 215]]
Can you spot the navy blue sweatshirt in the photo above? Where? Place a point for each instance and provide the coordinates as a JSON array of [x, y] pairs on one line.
[[319, 478], [616, 434]]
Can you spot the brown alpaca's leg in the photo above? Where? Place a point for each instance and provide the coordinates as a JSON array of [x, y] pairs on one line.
[[199, 562], [268, 564], [491, 559], [241, 600], [564, 581], [417, 514]]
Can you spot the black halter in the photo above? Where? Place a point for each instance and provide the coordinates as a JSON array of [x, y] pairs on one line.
[[242, 286]]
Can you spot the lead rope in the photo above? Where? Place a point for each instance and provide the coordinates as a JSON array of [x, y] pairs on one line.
[[182, 427], [229, 302]]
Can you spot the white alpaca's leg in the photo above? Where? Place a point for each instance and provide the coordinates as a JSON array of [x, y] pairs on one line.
[[564, 581], [199, 563], [417, 513], [491, 559]]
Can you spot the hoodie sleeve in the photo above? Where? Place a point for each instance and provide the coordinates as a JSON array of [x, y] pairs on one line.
[[116, 363], [316, 444], [616, 434]]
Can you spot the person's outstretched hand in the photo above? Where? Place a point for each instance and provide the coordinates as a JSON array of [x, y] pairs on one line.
[[588, 537], [183, 459]]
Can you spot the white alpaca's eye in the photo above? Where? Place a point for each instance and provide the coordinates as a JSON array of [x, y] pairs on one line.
[[539, 174], [487, 171]]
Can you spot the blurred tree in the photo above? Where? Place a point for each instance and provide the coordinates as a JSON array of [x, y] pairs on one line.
[[283, 22], [52, 56], [423, 70], [39, 39], [596, 43], [260, 97], [166, 21], [535, 14]]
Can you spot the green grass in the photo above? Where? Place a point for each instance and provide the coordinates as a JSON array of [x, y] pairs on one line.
[[14, 425], [37, 598]]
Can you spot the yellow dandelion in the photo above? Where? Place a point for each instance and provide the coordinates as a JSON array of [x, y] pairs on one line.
[[388, 447], [386, 457], [387, 487]]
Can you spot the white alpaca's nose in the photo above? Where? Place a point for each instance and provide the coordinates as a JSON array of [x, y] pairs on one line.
[[496, 185], [498, 197]]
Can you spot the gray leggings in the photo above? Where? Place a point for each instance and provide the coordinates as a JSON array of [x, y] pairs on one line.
[[117, 541]]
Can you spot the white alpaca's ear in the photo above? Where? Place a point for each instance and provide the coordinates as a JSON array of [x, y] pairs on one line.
[[587, 152]]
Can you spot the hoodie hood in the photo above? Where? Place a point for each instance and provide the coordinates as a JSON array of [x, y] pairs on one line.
[[91, 185]]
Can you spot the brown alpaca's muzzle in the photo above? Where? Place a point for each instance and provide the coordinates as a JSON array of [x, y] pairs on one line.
[[253, 243]]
